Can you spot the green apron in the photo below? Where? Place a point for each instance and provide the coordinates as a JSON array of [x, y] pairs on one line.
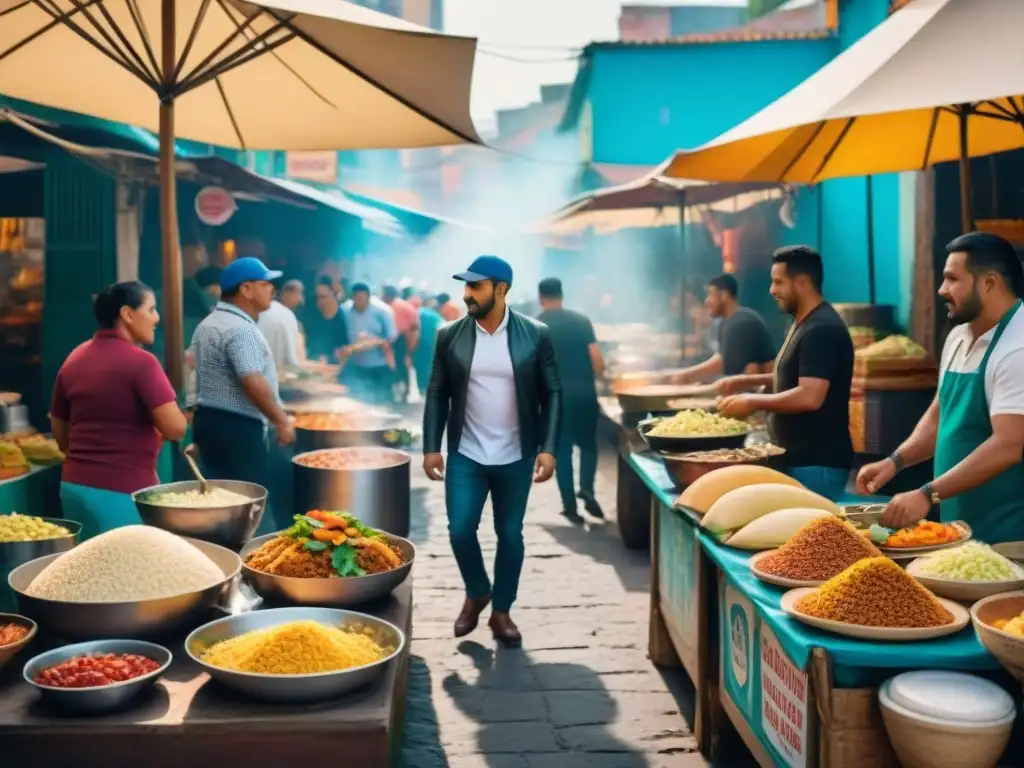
[[994, 510]]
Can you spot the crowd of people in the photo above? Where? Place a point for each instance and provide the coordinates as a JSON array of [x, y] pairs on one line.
[[517, 394]]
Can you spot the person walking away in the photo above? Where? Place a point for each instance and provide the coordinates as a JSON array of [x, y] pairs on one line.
[[280, 328], [326, 327], [809, 409], [407, 324], [236, 384], [745, 345], [495, 386], [579, 364], [423, 355], [112, 409], [974, 427], [368, 360], [447, 308]]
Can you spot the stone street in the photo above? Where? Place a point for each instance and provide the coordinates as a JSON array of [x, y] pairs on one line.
[[581, 691]]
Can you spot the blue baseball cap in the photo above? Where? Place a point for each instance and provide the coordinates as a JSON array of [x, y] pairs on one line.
[[487, 268], [244, 270]]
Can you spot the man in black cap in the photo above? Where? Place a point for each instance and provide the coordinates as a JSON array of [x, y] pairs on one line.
[[495, 385], [579, 362]]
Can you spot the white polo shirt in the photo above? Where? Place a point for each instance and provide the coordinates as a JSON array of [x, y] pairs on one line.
[[490, 434], [1004, 376], [280, 328]]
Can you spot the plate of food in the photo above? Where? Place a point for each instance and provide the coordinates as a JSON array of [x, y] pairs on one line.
[[693, 430], [926, 536], [967, 572], [329, 559], [819, 551], [875, 599]]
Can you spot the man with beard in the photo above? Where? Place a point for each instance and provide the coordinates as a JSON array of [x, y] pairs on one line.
[[495, 385], [809, 408], [974, 428], [744, 343]]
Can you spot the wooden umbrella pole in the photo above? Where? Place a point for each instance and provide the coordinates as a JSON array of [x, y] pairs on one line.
[[966, 190], [174, 347]]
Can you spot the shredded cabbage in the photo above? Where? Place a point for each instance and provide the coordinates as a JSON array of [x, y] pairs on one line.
[[973, 561]]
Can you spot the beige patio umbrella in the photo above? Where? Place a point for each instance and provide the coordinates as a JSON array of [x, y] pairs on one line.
[[938, 80], [284, 74]]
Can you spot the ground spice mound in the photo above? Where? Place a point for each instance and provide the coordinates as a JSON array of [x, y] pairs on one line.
[[820, 550], [875, 593]]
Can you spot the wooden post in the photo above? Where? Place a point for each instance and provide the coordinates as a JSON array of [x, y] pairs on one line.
[[174, 347], [966, 190]]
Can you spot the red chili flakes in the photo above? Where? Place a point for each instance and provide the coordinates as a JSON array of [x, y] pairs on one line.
[[12, 633], [94, 671]]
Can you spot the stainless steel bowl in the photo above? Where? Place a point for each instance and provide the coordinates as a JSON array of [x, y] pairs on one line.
[[295, 689], [231, 526], [15, 553], [9, 651], [102, 698], [337, 593], [139, 618]]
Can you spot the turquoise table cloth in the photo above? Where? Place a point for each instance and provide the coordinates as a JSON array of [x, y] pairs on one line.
[[855, 662]]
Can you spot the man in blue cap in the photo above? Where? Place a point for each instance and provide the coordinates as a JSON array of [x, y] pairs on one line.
[[495, 386], [236, 381]]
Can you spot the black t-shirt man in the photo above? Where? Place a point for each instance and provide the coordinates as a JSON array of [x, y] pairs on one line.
[[743, 338], [572, 333], [820, 347]]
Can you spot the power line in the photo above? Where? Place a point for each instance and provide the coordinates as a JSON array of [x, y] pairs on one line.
[[528, 47], [519, 60]]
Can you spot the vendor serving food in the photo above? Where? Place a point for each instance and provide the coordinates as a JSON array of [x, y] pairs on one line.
[[809, 412], [744, 344], [974, 428]]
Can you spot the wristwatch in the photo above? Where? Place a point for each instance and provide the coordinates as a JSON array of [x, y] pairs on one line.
[[931, 493], [897, 461]]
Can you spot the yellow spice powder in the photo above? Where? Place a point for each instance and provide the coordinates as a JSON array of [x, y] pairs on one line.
[[875, 592], [297, 648]]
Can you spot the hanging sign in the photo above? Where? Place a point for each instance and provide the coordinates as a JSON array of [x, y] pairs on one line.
[[784, 701], [215, 206], [312, 166]]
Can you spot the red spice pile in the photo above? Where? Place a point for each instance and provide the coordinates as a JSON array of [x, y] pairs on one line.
[[820, 550]]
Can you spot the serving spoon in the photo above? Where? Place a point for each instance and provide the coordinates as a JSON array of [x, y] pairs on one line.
[[190, 453]]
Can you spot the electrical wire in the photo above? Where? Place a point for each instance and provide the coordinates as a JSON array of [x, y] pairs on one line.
[[519, 60]]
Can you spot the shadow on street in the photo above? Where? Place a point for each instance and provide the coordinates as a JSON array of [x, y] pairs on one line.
[[600, 541]]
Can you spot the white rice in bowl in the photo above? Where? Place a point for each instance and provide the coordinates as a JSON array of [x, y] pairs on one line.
[[136, 562]]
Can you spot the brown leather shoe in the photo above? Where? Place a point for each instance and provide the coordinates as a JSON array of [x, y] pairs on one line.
[[505, 630], [469, 616]]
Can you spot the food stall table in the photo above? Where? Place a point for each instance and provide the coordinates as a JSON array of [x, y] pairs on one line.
[[682, 585], [36, 493], [191, 721], [802, 697], [632, 496]]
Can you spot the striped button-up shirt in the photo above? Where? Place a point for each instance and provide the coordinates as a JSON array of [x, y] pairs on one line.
[[227, 347]]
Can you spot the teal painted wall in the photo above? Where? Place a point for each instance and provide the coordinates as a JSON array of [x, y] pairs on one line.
[[649, 101]]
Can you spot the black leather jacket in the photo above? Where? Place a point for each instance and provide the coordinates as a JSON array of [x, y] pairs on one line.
[[538, 390]]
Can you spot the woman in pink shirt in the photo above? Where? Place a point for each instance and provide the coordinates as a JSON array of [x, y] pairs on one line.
[[112, 408]]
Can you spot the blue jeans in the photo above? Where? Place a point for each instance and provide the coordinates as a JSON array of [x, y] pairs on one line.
[[467, 484], [829, 482]]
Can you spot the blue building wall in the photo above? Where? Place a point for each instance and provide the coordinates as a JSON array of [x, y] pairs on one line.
[[648, 101]]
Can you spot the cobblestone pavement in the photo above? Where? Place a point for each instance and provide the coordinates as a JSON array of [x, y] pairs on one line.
[[581, 691]]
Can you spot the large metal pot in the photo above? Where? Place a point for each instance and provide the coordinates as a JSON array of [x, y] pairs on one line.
[[377, 429], [379, 495]]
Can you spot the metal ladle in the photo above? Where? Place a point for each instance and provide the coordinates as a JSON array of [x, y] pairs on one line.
[[190, 453]]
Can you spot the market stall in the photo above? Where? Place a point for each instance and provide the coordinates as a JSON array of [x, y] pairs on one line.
[[796, 695], [191, 720], [164, 639]]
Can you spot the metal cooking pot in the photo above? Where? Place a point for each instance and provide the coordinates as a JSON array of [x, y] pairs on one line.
[[378, 496], [376, 429]]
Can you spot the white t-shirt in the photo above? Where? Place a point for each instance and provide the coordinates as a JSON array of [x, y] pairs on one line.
[[1004, 376], [280, 328], [490, 433]]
